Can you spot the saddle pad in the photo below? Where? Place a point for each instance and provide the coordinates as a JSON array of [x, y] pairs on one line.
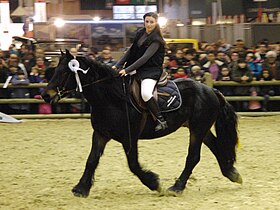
[[169, 97]]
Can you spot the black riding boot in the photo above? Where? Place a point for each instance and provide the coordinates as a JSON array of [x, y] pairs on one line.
[[154, 109]]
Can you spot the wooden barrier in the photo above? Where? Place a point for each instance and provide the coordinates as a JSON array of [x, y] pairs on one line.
[[37, 101], [212, 83]]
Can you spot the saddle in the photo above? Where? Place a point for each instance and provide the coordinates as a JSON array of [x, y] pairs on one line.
[[166, 93]]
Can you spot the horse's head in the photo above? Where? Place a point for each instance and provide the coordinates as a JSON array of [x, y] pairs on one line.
[[66, 77]]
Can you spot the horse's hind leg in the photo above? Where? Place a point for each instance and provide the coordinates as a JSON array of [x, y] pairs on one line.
[[148, 178], [197, 134], [99, 142], [227, 168]]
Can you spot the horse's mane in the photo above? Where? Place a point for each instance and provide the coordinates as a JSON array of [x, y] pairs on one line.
[[113, 81]]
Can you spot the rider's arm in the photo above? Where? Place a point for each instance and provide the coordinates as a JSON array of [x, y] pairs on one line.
[[123, 59], [144, 58]]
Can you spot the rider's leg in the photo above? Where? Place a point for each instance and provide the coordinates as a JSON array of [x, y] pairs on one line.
[[147, 87]]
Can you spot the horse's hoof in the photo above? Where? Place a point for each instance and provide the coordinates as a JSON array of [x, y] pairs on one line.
[[79, 191], [174, 191], [234, 176]]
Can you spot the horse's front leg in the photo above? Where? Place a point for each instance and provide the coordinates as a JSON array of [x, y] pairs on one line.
[[99, 142], [148, 178]]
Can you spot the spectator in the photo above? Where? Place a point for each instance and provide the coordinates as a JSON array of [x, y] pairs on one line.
[[242, 74], [197, 74], [225, 75], [39, 67], [13, 60], [3, 92], [180, 73], [74, 51], [178, 60], [272, 65], [49, 72], [106, 58], [233, 64], [254, 66], [20, 79], [166, 63], [261, 52], [213, 66], [190, 60]]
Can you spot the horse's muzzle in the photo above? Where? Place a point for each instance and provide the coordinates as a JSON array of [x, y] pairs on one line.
[[50, 96]]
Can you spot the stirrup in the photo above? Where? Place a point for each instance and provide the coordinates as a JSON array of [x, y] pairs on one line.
[[161, 125]]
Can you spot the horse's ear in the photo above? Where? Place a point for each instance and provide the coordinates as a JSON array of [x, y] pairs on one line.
[[68, 54], [62, 53]]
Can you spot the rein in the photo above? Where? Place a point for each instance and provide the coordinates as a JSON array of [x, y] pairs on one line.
[[60, 93]]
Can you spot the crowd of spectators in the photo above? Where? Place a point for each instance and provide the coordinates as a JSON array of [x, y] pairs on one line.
[[221, 61], [225, 62]]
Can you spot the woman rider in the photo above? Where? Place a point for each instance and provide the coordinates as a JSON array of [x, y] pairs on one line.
[[146, 57]]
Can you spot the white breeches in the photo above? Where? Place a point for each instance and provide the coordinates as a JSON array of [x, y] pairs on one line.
[[147, 88]]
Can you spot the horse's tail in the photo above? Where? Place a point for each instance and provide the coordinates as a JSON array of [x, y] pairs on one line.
[[226, 130]]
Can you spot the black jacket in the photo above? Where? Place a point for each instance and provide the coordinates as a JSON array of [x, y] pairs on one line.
[[153, 67]]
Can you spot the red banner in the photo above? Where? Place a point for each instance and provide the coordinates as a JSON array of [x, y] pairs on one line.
[[122, 1]]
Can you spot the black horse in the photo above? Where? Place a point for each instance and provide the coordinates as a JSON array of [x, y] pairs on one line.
[[110, 111]]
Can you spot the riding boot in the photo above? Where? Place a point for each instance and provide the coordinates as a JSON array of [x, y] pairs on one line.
[[154, 109]]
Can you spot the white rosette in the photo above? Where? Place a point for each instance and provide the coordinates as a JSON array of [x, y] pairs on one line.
[[74, 66]]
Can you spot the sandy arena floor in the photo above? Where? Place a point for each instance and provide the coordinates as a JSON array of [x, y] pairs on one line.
[[41, 160]]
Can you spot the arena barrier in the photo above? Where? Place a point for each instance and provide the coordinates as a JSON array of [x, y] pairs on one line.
[[76, 100]]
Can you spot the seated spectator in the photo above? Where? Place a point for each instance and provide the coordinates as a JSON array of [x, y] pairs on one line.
[[213, 66], [20, 79], [180, 73], [272, 65], [255, 66]]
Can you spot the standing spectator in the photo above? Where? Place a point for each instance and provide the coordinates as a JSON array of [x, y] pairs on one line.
[[197, 74], [20, 79], [49, 72], [3, 92], [213, 66], [234, 57], [39, 67], [272, 65], [180, 73], [255, 66], [178, 60], [242, 74], [261, 52], [225, 75], [13, 60]]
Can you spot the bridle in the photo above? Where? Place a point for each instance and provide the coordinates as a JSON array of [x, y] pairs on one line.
[[74, 66], [61, 92]]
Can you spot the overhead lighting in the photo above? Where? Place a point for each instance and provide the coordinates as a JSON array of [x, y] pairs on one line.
[[96, 18], [180, 24], [162, 21], [59, 22]]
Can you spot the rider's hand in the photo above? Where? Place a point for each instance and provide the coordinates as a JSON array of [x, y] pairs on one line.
[[114, 67], [122, 73]]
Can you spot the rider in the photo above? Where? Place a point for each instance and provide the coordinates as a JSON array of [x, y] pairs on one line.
[[146, 57]]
